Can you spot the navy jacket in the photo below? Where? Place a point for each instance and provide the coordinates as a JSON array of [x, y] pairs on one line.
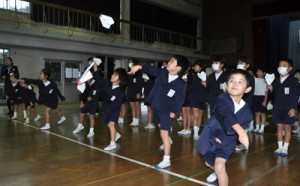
[[111, 98], [197, 92], [220, 125], [285, 94], [213, 87], [158, 97]]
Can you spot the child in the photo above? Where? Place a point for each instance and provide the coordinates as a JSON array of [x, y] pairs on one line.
[[134, 92], [16, 96], [48, 93], [149, 83], [112, 96], [297, 130], [286, 94], [229, 119], [260, 101], [88, 105], [197, 97], [166, 98], [29, 99], [216, 81]]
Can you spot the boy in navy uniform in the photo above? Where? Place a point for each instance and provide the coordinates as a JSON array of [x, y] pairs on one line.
[[286, 94], [88, 105], [113, 94], [230, 117], [166, 98]]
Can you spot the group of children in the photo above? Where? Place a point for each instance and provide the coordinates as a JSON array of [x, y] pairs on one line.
[[232, 98]]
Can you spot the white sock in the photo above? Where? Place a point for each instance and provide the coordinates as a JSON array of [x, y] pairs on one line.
[[262, 126], [286, 145], [15, 114], [280, 144], [251, 124], [133, 120], [137, 120], [112, 143], [196, 130], [166, 158], [257, 126], [79, 124], [91, 129], [25, 113]]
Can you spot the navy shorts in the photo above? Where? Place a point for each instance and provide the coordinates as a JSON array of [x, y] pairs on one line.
[[257, 104], [111, 117], [163, 119], [281, 116], [90, 107]]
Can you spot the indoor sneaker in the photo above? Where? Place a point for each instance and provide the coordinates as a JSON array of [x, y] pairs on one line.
[[118, 136], [46, 127], [212, 178], [277, 151], [37, 117], [79, 128], [181, 132], [62, 119], [284, 152], [27, 121], [111, 146], [150, 126], [120, 120], [163, 165], [91, 134]]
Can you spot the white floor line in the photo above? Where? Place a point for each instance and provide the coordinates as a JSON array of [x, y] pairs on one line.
[[122, 157]]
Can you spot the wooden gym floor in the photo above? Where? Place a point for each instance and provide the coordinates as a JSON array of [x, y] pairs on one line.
[[29, 156]]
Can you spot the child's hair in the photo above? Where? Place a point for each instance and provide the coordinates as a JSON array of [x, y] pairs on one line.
[[183, 63], [288, 60], [201, 64], [16, 75], [151, 63], [122, 76], [219, 58], [47, 73], [134, 61], [242, 72], [244, 59], [10, 59]]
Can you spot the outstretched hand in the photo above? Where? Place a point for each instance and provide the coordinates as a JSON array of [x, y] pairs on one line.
[[134, 69], [243, 138]]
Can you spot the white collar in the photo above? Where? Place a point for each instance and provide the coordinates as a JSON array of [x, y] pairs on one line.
[[46, 83], [115, 86], [172, 78], [238, 106]]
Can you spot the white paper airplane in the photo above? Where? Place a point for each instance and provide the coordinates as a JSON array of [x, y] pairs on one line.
[[202, 76], [106, 21], [98, 61], [269, 78], [87, 75]]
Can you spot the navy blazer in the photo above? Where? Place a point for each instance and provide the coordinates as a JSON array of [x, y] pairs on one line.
[[213, 87], [220, 125], [90, 91], [285, 94], [197, 92], [158, 97], [111, 98]]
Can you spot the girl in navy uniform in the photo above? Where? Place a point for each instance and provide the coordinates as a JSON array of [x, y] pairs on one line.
[[230, 117], [48, 95], [297, 128], [29, 99], [166, 97], [197, 96], [134, 92], [6, 70], [215, 83], [260, 100], [88, 105], [113, 94], [286, 94], [149, 83], [16, 96]]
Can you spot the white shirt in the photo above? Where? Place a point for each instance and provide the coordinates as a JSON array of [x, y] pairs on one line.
[[218, 75], [283, 78], [237, 106], [172, 78], [115, 86], [260, 87], [47, 83]]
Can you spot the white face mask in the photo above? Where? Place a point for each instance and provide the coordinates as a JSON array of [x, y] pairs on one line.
[[282, 70], [130, 65], [215, 67], [240, 66]]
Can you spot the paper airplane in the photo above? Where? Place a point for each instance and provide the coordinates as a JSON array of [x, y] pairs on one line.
[[87, 75], [202, 76], [145, 77], [98, 61], [269, 78], [81, 87], [106, 21]]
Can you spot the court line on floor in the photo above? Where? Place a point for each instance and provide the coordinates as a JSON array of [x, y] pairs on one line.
[[121, 157]]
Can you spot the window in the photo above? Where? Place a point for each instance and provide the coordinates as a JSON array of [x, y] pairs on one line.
[[55, 69], [20, 6]]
